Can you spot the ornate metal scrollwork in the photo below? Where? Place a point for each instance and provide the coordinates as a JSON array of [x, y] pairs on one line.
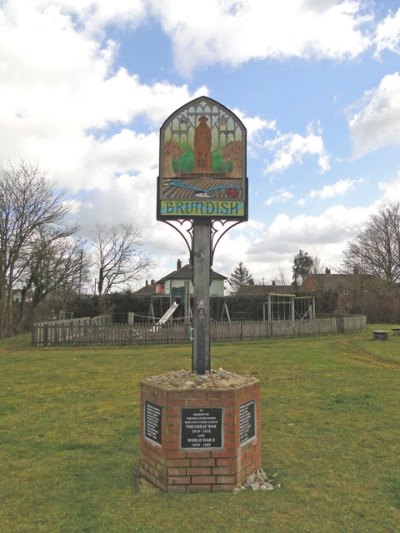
[[218, 229], [185, 229]]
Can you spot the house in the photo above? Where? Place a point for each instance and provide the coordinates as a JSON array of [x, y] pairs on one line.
[[174, 283], [278, 302], [149, 288], [340, 293], [264, 290]]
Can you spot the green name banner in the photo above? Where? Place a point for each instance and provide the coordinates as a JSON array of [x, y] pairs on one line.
[[210, 208]]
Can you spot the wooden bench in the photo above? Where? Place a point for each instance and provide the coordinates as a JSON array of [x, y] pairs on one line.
[[396, 331], [380, 335]]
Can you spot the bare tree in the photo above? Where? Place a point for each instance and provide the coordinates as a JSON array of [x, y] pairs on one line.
[[27, 204], [56, 264], [316, 267], [120, 258], [376, 250], [280, 277]]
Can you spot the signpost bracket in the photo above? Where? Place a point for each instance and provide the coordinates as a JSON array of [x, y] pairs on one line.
[[185, 232], [219, 227], [218, 232]]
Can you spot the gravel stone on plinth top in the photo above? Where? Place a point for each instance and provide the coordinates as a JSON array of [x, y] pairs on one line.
[[186, 380]]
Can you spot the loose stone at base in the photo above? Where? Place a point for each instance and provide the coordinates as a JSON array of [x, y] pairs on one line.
[[256, 481]]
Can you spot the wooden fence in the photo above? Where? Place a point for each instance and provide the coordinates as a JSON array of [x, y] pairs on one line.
[[346, 324], [100, 331]]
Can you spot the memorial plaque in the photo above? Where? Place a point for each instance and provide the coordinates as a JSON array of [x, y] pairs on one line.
[[247, 421], [201, 428], [152, 421]]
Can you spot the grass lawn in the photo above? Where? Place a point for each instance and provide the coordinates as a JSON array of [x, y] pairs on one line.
[[69, 438]]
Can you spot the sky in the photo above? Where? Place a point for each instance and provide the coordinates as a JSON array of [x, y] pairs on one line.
[[85, 86]]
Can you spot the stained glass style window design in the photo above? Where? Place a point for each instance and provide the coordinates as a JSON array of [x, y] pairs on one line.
[[202, 163]]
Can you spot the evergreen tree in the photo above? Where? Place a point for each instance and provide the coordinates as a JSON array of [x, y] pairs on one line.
[[302, 265], [239, 277]]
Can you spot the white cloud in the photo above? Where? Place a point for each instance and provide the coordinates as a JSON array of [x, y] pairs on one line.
[[59, 95], [335, 189], [387, 35], [279, 196], [99, 161], [390, 189], [234, 32], [324, 235], [130, 197], [254, 125], [296, 28], [377, 122], [291, 148], [226, 31], [266, 250], [92, 15], [332, 225], [65, 106]]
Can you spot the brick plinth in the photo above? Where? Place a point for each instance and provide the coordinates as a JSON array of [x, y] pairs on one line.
[[176, 455]]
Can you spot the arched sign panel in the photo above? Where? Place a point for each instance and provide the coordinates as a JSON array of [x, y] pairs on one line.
[[202, 163]]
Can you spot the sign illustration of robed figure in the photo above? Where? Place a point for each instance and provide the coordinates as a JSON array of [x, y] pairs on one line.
[[202, 163], [202, 146]]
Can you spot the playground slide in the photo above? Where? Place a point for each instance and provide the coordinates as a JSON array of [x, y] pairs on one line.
[[166, 316]]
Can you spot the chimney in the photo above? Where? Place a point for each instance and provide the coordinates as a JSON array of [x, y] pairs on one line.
[[327, 271], [178, 264], [147, 283], [273, 283]]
